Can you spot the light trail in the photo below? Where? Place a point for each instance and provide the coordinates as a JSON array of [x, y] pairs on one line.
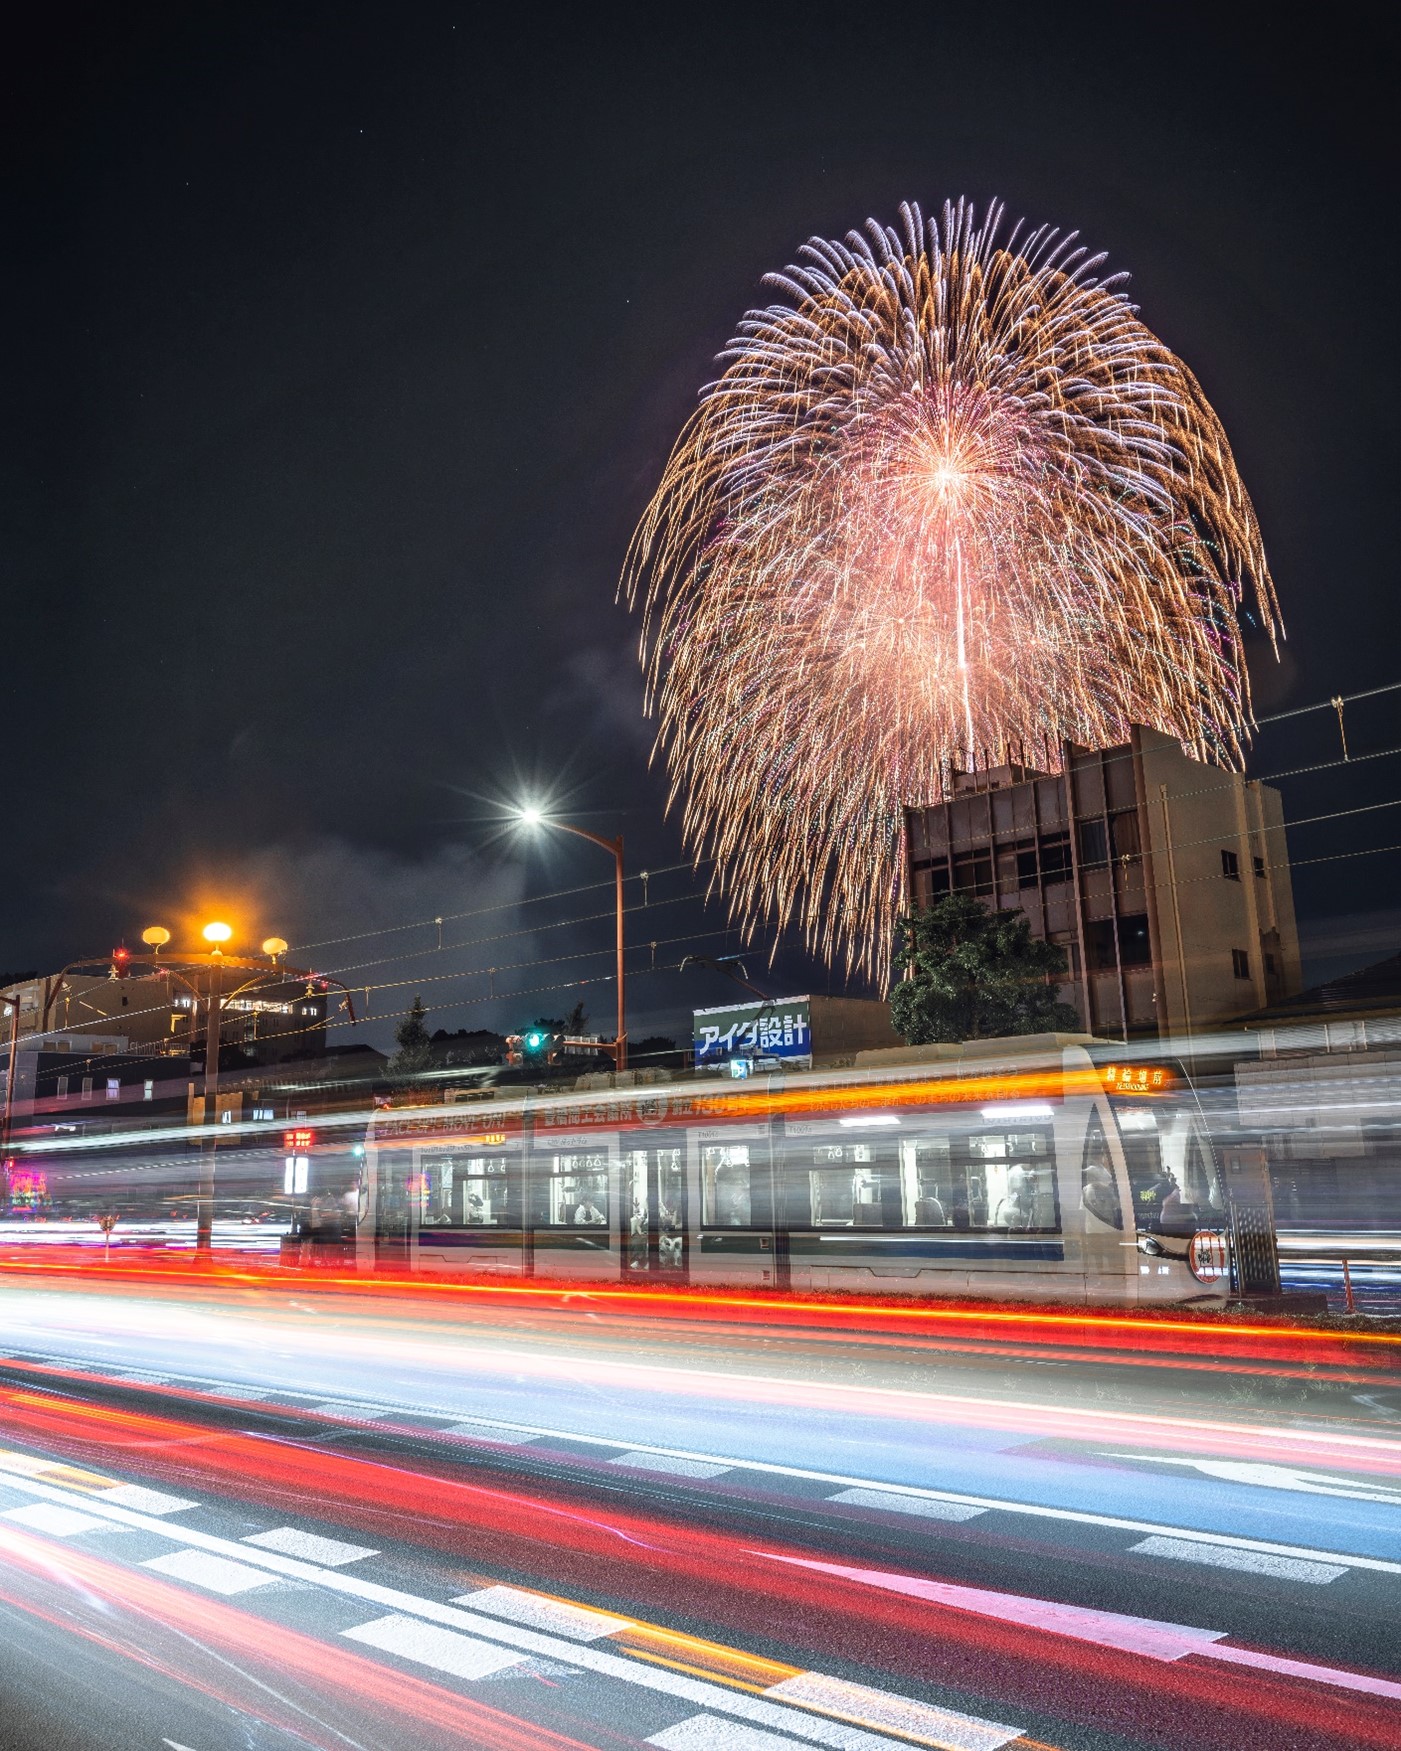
[[919, 1626]]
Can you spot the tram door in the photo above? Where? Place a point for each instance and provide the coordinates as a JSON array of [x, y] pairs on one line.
[[654, 1206], [395, 1208]]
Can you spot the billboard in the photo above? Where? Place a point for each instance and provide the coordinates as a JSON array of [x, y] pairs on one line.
[[776, 1030]]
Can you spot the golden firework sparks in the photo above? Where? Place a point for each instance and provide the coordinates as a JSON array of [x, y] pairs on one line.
[[949, 502]]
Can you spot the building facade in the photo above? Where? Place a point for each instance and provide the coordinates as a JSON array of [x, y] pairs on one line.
[[1165, 880]]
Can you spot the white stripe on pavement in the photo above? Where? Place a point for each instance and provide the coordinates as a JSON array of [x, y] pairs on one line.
[[55, 1521], [893, 1503], [697, 1692], [557, 1616], [1250, 1562], [644, 1459], [427, 1645], [215, 1573], [944, 1727], [144, 1501], [710, 1733], [293, 1542]]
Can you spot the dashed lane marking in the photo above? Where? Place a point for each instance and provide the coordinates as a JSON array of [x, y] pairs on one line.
[[710, 1733], [501, 1433], [535, 1611], [671, 1464], [698, 1693], [897, 1714], [216, 1574], [144, 1501], [291, 1541], [891, 1503], [57, 1522], [426, 1644], [1250, 1562]]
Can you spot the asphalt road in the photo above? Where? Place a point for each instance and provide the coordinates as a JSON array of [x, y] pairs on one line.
[[271, 1519]]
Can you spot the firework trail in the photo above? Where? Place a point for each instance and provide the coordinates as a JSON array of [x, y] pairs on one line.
[[949, 502]]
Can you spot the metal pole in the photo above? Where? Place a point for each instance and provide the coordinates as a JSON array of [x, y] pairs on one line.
[[5, 1122], [1348, 1301], [620, 1042], [620, 1056], [204, 1219]]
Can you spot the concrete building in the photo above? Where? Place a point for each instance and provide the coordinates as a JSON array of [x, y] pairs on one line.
[[1165, 880], [155, 1012]]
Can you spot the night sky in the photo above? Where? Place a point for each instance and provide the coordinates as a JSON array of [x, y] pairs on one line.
[[345, 345]]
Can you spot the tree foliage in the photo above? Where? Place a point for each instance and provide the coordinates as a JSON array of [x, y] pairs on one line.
[[415, 1054], [975, 974]]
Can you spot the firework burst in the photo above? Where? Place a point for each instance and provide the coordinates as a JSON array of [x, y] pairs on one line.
[[948, 502]]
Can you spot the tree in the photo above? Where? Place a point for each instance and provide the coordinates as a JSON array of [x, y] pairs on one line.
[[415, 1054], [974, 974]]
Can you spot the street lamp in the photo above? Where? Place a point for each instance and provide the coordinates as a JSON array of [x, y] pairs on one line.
[[202, 973], [530, 816]]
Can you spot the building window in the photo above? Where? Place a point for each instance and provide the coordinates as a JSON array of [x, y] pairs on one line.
[[1240, 963], [87, 1088], [1230, 866], [1259, 863], [148, 1090], [63, 1088], [1269, 964], [114, 1088]]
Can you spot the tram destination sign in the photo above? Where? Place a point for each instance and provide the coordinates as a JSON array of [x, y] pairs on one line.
[[777, 1029]]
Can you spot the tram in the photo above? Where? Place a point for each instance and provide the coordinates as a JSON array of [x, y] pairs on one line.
[[1029, 1168]]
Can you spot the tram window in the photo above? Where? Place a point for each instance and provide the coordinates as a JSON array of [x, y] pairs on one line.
[[1099, 1185], [987, 1179], [481, 1189], [926, 1183], [726, 1188], [579, 1191], [1010, 1181]]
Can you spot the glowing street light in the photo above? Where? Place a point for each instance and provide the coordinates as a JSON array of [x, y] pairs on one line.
[[530, 816], [217, 933], [155, 938]]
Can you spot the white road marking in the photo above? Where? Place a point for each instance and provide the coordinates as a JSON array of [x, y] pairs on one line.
[[359, 1413], [1344, 1680], [1283, 1568], [132, 1495], [896, 1714], [428, 1645], [293, 1542], [893, 1503], [1275, 1477], [57, 1522], [696, 1692], [502, 1433], [644, 1459], [710, 1733], [200, 1569], [1135, 1635], [558, 1616]]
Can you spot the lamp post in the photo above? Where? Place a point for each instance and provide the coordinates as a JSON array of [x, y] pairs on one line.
[[5, 1122], [531, 817], [203, 976]]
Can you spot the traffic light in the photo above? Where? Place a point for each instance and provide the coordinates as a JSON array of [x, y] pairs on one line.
[[121, 962], [535, 1045]]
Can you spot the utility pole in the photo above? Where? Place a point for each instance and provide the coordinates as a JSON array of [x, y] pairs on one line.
[[204, 1208]]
